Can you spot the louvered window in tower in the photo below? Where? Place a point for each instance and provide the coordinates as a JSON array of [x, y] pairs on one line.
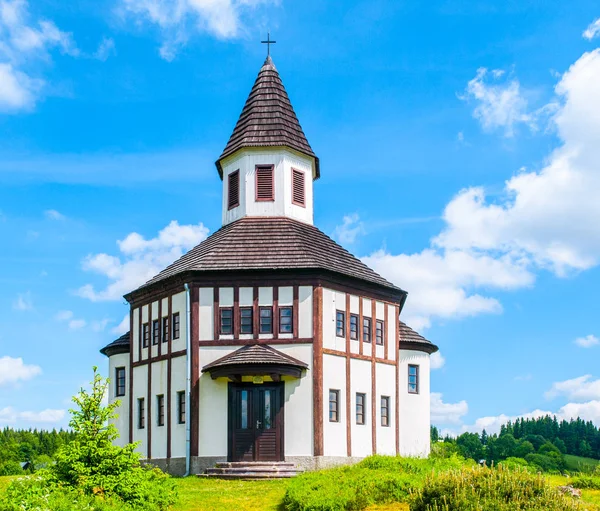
[[298, 189], [264, 183], [233, 190]]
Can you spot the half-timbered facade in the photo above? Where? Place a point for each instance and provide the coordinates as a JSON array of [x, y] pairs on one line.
[[269, 341]]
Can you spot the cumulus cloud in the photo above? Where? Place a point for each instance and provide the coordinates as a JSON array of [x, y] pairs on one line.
[[13, 370], [69, 318], [592, 30], [140, 260], [106, 48], [122, 327], [177, 20], [446, 413], [587, 341], [23, 302], [52, 214], [350, 229], [9, 415], [436, 360], [579, 389]]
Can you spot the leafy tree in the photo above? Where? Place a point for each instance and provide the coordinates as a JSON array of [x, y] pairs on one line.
[[434, 434], [484, 437], [560, 445], [470, 446], [523, 449]]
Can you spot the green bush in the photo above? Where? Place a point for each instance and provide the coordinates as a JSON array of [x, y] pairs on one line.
[[586, 482], [514, 463], [489, 489], [10, 468], [552, 462]]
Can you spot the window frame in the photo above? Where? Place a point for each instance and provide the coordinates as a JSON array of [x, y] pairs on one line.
[[146, 334], [242, 310], [290, 317], [354, 332], [165, 329], [260, 317], [264, 167], [367, 330], [343, 323], [221, 311], [181, 406], [141, 409], [160, 410], [336, 403], [117, 381], [385, 417], [416, 383], [380, 323], [176, 325], [301, 175], [363, 405], [235, 175], [155, 332]]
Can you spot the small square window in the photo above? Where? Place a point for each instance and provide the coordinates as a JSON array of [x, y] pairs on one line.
[[165, 329], [385, 411], [246, 320], [366, 329], [379, 332], [176, 326], [141, 413], [354, 327], [413, 379], [334, 403], [145, 335], [266, 320], [120, 379], [181, 407], [155, 332], [340, 324], [361, 401], [285, 320], [226, 321], [160, 410]]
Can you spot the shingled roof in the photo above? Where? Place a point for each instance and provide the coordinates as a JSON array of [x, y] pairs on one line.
[[276, 243], [120, 345], [268, 119], [411, 340]]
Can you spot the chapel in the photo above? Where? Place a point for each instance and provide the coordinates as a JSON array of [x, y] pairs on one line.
[[268, 344]]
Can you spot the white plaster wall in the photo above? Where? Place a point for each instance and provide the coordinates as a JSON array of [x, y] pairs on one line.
[[159, 386], [305, 318], [360, 381], [225, 297], [146, 319], [354, 309], [328, 318], [205, 310], [379, 314], [178, 372], [386, 386], [286, 295], [414, 408], [392, 328], [178, 304], [140, 389], [283, 160], [334, 433], [122, 421], [246, 297]]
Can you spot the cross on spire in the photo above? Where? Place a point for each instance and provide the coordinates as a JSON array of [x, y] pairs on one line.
[[268, 42]]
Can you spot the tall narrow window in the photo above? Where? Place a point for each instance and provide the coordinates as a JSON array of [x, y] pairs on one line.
[[298, 188], [120, 379], [366, 329], [141, 413], [145, 335], [155, 332], [233, 190], [360, 408], [385, 411], [226, 321], [354, 327], [246, 320], [340, 323], [165, 328], [379, 329], [334, 403], [160, 410], [264, 183], [181, 407], [413, 379], [285, 320], [266, 320], [176, 326]]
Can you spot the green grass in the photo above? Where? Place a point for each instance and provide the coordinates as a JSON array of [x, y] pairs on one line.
[[579, 463]]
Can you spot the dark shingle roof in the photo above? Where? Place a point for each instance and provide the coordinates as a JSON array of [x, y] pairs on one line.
[[276, 243], [120, 345], [268, 119], [409, 339], [254, 354]]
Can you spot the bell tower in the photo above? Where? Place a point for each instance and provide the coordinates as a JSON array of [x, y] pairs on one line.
[[268, 167]]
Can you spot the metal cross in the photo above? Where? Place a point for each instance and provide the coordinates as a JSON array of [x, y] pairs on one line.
[[268, 42]]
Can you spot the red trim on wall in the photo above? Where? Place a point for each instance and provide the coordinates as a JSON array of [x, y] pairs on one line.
[[360, 325], [160, 327], [386, 327], [174, 354], [295, 311], [397, 350], [318, 370], [368, 358], [373, 380], [149, 390], [275, 321], [216, 317], [236, 312], [130, 434], [348, 389], [195, 383], [169, 383], [255, 312]]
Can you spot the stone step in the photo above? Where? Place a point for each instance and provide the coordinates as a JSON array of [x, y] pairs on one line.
[[234, 464], [252, 470], [251, 476]]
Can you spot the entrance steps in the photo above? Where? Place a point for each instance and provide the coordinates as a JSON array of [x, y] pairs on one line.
[[252, 470]]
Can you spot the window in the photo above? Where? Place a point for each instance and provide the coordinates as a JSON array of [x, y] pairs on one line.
[[226, 321], [146, 335], [160, 410], [340, 323], [298, 194], [155, 332], [413, 379], [165, 330], [264, 183], [334, 400], [246, 318], [385, 411], [181, 407], [360, 408], [285, 320], [354, 327], [120, 379], [176, 326], [366, 329], [141, 413], [266, 320], [233, 190], [379, 332]]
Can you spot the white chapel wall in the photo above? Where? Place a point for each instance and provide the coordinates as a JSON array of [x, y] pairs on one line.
[[334, 433], [122, 421], [178, 375], [360, 381], [159, 387], [386, 386]]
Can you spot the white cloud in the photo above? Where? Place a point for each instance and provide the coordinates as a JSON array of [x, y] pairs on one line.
[[446, 413], [64, 315], [437, 361], [122, 327], [13, 370], [587, 341], [592, 30], [23, 302], [77, 324], [177, 20], [10, 415], [17, 90], [141, 260], [52, 214], [100, 325], [106, 48], [72, 322], [349, 230], [578, 389]]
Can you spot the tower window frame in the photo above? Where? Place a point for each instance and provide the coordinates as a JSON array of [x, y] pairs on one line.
[[298, 187], [233, 190], [265, 183]]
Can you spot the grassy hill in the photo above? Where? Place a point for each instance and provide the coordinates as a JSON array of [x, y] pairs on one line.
[[580, 464]]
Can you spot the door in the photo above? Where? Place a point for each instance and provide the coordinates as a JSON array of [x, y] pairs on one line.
[[255, 422]]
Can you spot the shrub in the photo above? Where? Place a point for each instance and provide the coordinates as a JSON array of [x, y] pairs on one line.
[[514, 463], [586, 482], [546, 463], [10, 468], [482, 488]]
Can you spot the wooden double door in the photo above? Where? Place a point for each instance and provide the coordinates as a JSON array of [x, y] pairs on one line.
[[256, 420]]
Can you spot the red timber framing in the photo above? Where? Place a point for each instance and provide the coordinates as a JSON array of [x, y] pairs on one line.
[[195, 383], [169, 383], [318, 370], [397, 334], [348, 388], [373, 378], [131, 337], [386, 329], [149, 392], [295, 311], [275, 318], [360, 325]]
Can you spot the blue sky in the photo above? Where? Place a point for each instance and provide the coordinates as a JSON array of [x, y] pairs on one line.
[[459, 157]]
